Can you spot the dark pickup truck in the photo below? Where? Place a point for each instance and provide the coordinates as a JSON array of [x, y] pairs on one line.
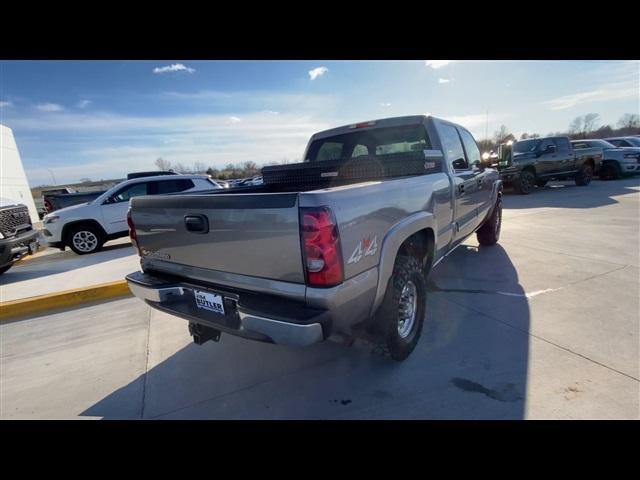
[[527, 163], [17, 235]]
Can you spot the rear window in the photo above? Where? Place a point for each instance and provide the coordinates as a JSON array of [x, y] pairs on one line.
[[378, 141], [172, 186]]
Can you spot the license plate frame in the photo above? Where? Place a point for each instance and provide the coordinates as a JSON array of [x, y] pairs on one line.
[[209, 301]]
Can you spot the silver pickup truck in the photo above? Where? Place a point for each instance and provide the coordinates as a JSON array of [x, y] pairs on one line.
[[339, 245]]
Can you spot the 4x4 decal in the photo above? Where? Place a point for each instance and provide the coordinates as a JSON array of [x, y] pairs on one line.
[[365, 248]]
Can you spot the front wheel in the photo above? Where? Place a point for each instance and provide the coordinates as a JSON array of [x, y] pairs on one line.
[[584, 175], [489, 233], [85, 239], [402, 312]]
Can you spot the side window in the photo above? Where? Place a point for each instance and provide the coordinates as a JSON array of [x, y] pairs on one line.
[[580, 145], [471, 147], [562, 144], [204, 184], [172, 186], [329, 151], [359, 150], [617, 143], [453, 147], [131, 191], [545, 143]]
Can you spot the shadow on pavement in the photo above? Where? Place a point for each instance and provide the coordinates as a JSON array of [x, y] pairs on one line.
[[62, 262], [568, 195], [467, 364]]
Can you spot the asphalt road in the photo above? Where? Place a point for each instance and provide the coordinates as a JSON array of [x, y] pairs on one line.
[[544, 325]]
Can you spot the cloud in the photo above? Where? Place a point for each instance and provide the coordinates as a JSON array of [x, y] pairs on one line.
[[613, 91], [83, 103], [317, 72], [443, 80], [234, 119], [5, 104], [383, 104], [176, 67], [435, 64], [49, 107]]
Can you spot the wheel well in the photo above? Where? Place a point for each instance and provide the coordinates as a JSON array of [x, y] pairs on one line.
[[69, 226], [589, 162], [529, 168], [420, 245]]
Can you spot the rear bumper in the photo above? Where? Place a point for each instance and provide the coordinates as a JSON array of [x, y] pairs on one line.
[[247, 315]]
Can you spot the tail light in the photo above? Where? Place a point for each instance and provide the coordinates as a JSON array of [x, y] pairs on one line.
[[321, 247], [132, 232]]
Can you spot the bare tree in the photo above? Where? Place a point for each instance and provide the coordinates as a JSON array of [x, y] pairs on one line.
[[576, 126], [589, 123], [524, 136], [163, 164], [629, 120], [199, 167], [503, 135]]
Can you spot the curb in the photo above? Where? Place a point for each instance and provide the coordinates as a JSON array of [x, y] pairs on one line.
[[68, 298]]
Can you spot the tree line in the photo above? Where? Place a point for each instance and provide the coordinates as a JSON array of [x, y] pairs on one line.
[[586, 126], [229, 171]]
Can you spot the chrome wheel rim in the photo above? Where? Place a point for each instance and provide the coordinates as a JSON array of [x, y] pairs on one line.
[[85, 241], [407, 309]]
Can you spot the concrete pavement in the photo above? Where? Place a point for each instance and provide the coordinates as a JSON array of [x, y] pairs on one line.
[[544, 325]]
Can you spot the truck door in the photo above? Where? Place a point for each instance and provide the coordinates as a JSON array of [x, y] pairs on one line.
[[565, 156], [481, 197], [465, 182], [548, 162]]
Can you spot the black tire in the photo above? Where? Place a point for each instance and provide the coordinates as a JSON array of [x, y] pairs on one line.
[[93, 239], [541, 183], [584, 176], [395, 342], [5, 268], [526, 181], [489, 233], [610, 171]]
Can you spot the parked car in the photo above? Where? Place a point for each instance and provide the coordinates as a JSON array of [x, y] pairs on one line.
[[616, 161], [527, 163], [153, 173], [55, 202], [41, 202], [18, 238], [85, 228], [630, 141], [338, 245]]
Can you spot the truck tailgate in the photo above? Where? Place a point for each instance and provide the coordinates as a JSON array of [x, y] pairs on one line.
[[243, 233]]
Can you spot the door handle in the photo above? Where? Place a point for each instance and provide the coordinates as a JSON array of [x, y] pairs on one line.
[[196, 223], [461, 188], [479, 183]]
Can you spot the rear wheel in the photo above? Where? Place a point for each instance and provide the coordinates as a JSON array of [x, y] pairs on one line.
[[402, 312], [584, 175], [489, 233], [85, 239], [526, 181]]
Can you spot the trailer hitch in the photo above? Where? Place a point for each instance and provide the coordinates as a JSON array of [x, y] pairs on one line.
[[202, 333]]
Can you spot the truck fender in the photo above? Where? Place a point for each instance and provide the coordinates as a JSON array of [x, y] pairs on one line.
[[391, 245]]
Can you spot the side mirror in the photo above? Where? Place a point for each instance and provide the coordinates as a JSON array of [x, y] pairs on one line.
[[479, 165], [459, 164]]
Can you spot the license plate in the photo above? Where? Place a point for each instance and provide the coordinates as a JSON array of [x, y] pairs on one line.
[[209, 301]]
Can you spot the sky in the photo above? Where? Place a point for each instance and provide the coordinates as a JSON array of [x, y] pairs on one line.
[[103, 119]]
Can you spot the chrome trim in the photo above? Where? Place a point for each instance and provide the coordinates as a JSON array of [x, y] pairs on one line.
[[282, 332], [155, 294]]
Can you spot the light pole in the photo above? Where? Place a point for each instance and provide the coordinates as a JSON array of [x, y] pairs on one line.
[[52, 176]]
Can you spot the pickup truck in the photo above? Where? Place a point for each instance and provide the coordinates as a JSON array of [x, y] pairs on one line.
[[337, 246], [18, 238], [86, 227], [616, 162], [527, 163]]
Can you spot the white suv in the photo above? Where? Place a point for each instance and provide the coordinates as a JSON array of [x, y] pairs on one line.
[[86, 227]]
